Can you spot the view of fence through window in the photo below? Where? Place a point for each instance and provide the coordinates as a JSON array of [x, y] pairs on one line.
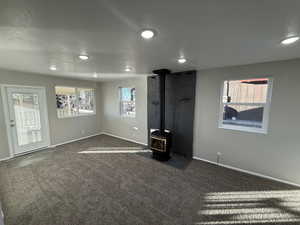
[[244, 102], [71, 101], [127, 102]]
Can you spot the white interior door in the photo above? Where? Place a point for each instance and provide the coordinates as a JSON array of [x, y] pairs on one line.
[[27, 118]]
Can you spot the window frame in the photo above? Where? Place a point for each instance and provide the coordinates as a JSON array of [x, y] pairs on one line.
[[77, 101], [266, 106], [120, 103]]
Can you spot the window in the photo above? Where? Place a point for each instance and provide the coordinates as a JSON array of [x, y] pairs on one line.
[[245, 104], [127, 102], [72, 102], [85, 101]]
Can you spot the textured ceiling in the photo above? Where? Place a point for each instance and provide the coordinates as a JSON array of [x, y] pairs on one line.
[[35, 34]]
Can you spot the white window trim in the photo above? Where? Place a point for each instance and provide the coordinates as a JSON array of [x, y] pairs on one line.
[[77, 94], [120, 103], [266, 114]]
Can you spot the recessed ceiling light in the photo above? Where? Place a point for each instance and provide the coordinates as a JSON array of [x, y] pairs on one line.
[[83, 57], [290, 40], [147, 34], [128, 69], [181, 60], [53, 68]]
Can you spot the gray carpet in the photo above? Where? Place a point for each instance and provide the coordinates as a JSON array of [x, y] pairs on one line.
[[64, 186]]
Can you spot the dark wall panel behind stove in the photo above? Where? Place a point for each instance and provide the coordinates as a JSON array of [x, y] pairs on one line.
[[153, 104], [180, 103]]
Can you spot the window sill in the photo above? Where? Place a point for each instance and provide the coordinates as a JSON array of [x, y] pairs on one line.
[[244, 129], [70, 117], [128, 117]]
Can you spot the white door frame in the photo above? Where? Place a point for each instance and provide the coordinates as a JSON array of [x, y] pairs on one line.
[[6, 115]]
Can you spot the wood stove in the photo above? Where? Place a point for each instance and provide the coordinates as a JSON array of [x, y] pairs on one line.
[[160, 145], [160, 139]]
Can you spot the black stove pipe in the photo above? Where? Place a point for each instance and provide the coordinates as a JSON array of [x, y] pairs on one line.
[[162, 88]]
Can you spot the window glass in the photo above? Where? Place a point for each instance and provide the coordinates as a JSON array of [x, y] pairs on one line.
[[245, 104], [28, 119], [246, 91], [85, 101], [243, 115], [127, 101], [71, 101]]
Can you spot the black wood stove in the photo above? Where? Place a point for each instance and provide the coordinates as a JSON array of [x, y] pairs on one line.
[[160, 139]]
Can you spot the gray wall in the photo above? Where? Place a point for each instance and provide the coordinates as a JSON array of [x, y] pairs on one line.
[[61, 130], [112, 122], [276, 153]]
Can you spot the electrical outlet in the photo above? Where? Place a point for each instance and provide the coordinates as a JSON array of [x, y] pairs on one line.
[[82, 131]]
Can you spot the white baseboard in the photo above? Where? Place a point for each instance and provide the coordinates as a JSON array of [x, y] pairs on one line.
[[82, 138], [247, 171], [51, 146], [5, 159], [126, 139], [74, 140]]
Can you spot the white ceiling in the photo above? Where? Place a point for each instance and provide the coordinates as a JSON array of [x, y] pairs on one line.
[[35, 34]]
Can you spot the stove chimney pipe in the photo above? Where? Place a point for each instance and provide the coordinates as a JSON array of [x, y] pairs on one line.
[[162, 87]]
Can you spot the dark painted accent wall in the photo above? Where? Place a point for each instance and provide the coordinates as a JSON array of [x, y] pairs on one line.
[[180, 103], [153, 104]]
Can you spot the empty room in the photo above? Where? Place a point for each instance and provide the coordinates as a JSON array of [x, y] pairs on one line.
[[149, 112]]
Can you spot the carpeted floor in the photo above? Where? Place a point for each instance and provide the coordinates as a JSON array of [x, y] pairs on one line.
[[78, 184]]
